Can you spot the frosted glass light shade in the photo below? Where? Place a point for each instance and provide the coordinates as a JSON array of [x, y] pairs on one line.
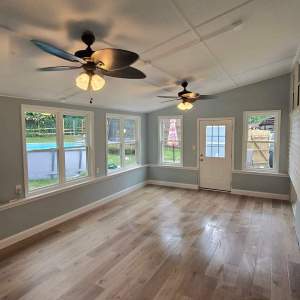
[[85, 81], [185, 106], [97, 82]]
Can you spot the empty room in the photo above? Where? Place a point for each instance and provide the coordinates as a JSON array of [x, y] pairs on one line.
[[150, 150]]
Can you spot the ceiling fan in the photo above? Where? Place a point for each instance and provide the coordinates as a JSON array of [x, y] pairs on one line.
[[108, 62], [186, 97]]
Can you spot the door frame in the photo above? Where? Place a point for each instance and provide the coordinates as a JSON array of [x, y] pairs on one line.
[[232, 119]]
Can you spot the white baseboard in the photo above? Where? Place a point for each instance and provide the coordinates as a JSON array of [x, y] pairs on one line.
[[63, 218], [260, 194], [174, 184]]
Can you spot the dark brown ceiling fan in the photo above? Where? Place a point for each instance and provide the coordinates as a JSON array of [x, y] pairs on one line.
[[108, 62], [186, 97]]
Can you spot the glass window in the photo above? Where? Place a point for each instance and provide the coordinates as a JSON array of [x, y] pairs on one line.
[[261, 137], [75, 147], [122, 141], [51, 160], [113, 144], [41, 150], [215, 141], [171, 140]]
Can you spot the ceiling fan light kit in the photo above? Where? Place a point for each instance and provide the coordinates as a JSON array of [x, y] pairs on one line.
[[107, 62], [186, 97]]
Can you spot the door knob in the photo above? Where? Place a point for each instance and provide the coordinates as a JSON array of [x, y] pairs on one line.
[[201, 159]]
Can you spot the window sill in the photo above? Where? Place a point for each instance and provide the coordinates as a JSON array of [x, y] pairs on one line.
[[173, 167], [263, 173], [65, 188]]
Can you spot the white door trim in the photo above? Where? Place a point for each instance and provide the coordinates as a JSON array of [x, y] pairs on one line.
[[232, 119]]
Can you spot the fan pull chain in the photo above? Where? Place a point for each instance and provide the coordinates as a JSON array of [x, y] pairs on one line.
[[91, 98]]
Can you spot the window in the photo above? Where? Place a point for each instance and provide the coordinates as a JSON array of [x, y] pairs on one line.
[[57, 147], [123, 141], [170, 140], [261, 140], [215, 141]]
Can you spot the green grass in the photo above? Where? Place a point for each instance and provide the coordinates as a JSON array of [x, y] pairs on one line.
[[51, 139], [40, 183], [168, 154]]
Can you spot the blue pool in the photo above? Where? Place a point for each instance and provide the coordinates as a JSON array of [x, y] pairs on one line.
[[43, 146]]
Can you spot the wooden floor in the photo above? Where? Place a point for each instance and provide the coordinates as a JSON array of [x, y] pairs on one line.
[[163, 243]]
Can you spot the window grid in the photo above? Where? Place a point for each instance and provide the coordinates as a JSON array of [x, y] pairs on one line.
[[170, 149], [123, 149], [215, 141], [45, 154]]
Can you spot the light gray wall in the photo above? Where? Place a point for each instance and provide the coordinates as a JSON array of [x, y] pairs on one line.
[[11, 157], [19, 218], [270, 94]]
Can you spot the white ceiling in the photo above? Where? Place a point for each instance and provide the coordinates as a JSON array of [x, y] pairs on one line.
[[176, 39]]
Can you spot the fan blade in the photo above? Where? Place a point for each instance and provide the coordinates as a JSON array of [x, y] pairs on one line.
[[207, 97], [169, 100], [129, 73], [57, 52], [58, 68], [169, 97], [110, 59]]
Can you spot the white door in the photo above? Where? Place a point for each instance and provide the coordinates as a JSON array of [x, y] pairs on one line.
[[215, 154]]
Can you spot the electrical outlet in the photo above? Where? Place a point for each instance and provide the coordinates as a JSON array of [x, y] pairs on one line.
[[18, 189]]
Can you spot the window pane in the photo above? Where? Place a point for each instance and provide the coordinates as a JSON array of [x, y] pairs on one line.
[[40, 131], [75, 146], [42, 169], [75, 131], [130, 155], [129, 130], [113, 130], [261, 127], [171, 141], [75, 163], [171, 153], [260, 155], [261, 141], [113, 156], [41, 147], [113, 146]]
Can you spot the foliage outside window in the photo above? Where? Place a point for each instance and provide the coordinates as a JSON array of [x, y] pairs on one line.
[[261, 140], [57, 147], [170, 140], [122, 141]]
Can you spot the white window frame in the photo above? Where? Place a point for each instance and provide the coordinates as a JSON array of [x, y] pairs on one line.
[[160, 141], [59, 112], [122, 118], [277, 125]]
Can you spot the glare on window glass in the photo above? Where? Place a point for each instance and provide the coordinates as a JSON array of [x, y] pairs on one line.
[[260, 142], [130, 142], [41, 148], [75, 146], [113, 144]]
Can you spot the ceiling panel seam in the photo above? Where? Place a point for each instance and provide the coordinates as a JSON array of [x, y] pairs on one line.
[[195, 32]]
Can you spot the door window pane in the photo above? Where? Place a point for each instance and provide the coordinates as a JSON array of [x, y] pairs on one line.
[[41, 148], [215, 141]]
